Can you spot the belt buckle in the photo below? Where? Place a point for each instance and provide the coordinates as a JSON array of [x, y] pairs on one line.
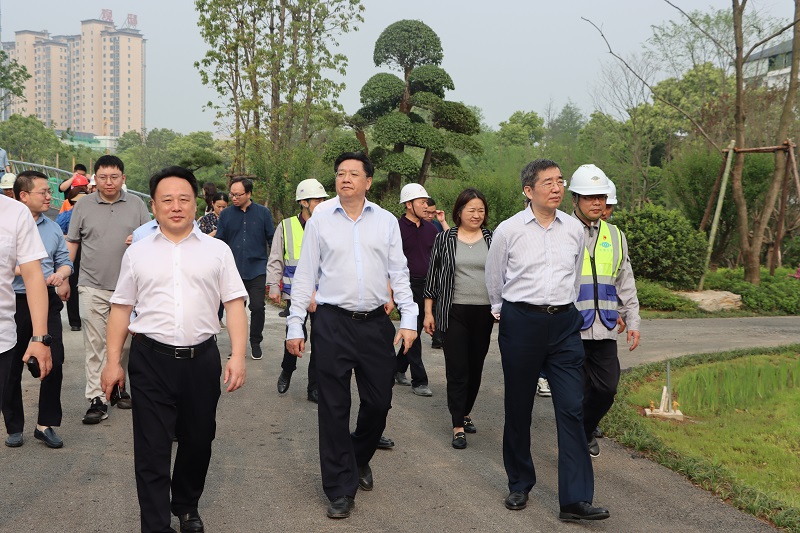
[[552, 309], [359, 315], [184, 353]]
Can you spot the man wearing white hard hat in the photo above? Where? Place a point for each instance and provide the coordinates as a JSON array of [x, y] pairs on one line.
[[607, 292], [281, 264], [418, 235], [7, 184], [611, 202]]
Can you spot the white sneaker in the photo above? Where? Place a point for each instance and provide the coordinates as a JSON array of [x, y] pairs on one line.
[[543, 388]]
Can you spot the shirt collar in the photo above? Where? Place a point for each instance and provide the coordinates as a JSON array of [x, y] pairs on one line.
[[337, 206], [528, 216], [195, 231], [122, 197]]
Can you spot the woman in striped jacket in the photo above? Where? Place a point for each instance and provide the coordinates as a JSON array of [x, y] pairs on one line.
[[457, 285]]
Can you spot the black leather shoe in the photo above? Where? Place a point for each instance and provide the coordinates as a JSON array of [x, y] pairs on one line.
[[284, 380], [191, 522], [459, 440], [597, 433], [75, 328], [365, 477], [583, 511], [594, 447], [517, 500], [385, 443], [341, 507], [49, 437], [469, 427], [313, 396]]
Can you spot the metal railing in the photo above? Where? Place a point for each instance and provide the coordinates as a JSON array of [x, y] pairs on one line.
[[55, 176]]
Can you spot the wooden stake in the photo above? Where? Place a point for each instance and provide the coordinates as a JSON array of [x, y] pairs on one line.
[[717, 213]]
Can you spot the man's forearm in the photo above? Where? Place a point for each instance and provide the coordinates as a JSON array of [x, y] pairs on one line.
[[117, 331], [237, 326], [72, 247]]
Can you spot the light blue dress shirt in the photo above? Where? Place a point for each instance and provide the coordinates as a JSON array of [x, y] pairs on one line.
[[56, 246], [351, 261]]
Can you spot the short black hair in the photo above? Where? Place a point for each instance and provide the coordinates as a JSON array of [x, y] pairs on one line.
[[110, 161], [369, 168], [172, 172], [530, 174], [24, 181], [463, 199], [220, 196], [78, 167], [430, 201], [247, 183]]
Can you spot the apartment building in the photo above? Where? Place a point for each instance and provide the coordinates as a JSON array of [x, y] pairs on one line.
[[89, 83]]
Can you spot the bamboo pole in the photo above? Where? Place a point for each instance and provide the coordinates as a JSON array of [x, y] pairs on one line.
[[793, 164], [776, 247], [714, 192], [717, 212]]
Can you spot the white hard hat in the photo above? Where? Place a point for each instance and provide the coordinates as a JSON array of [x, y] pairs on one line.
[[7, 181], [612, 196], [412, 191], [589, 180], [309, 188]]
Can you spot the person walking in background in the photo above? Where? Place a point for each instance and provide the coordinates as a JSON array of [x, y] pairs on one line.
[[33, 189], [283, 258], [607, 291], [102, 225], [7, 184], [246, 227], [208, 222], [209, 192], [4, 164], [533, 275], [350, 250], [439, 221], [77, 179], [456, 282], [611, 202], [418, 235], [63, 220]]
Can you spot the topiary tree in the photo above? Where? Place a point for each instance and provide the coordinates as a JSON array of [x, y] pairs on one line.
[[663, 245]]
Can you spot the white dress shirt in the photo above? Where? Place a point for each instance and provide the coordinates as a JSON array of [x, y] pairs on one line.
[[19, 244], [176, 287], [533, 264], [351, 261]]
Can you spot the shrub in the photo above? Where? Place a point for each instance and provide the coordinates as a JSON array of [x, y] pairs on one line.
[[663, 245], [778, 294], [654, 296]]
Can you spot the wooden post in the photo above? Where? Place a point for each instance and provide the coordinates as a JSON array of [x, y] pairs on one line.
[[714, 192], [717, 213], [776, 249], [793, 164]]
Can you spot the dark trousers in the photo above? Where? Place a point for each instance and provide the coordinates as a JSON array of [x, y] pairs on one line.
[[466, 341], [50, 387], [73, 306], [529, 341], [600, 380], [342, 346], [414, 356], [289, 363], [256, 302], [173, 396]]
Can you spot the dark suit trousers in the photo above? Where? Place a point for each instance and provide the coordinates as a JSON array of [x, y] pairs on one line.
[[343, 346], [530, 341], [466, 341], [256, 295], [414, 356], [600, 379], [73, 305], [172, 396], [289, 363], [50, 387]]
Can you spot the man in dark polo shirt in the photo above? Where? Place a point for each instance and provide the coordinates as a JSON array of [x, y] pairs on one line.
[[418, 235], [247, 228], [102, 224]]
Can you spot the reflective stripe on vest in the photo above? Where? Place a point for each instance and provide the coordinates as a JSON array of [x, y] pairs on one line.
[[292, 242], [598, 294]]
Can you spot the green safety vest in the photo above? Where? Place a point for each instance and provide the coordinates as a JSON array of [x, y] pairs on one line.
[[598, 293], [292, 242]]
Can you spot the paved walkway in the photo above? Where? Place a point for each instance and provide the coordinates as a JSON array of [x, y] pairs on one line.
[[265, 476]]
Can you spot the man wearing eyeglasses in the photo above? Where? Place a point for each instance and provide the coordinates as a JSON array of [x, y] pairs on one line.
[[102, 223], [533, 275], [248, 229]]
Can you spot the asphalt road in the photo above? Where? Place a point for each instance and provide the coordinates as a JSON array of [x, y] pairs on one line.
[[264, 474]]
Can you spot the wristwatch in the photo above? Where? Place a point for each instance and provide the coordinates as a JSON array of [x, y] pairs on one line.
[[44, 339]]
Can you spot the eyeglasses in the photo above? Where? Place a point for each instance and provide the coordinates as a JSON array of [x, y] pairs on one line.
[[235, 196], [112, 177], [550, 183], [594, 197], [45, 194]]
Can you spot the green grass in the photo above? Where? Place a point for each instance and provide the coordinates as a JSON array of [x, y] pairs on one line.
[[748, 456]]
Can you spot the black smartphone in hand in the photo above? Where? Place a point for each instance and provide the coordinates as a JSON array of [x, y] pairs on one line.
[[33, 366], [115, 395]]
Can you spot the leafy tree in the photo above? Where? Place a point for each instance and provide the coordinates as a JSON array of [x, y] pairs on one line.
[[29, 139], [12, 79], [521, 128]]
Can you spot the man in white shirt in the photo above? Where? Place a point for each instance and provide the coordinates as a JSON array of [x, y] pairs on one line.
[[176, 277]]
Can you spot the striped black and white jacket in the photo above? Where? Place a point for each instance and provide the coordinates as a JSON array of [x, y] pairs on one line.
[[442, 274]]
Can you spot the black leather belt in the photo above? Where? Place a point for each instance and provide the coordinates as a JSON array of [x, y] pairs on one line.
[[549, 309], [358, 315], [178, 352]]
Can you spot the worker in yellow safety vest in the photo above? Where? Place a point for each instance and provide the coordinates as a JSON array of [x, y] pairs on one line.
[[282, 262], [606, 298]]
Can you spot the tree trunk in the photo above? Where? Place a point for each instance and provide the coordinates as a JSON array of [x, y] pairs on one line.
[[426, 163]]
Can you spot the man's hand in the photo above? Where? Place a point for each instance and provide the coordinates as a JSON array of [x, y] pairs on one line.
[[235, 373], [408, 336], [622, 325], [129, 240], [55, 279], [389, 307], [112, 374], [275, 296], [42, 354], [634, 336], [312, 307], [65, 292], [296, 347], [428, 324]]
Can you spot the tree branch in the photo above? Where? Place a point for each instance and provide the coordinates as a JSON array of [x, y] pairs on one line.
[[767, 39], [703, 31], [652, 89]]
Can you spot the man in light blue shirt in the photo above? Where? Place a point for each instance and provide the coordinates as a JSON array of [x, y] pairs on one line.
[[4, 161], [351, 247]]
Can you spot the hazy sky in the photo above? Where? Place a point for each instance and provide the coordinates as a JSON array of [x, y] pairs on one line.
[[503, 55]]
